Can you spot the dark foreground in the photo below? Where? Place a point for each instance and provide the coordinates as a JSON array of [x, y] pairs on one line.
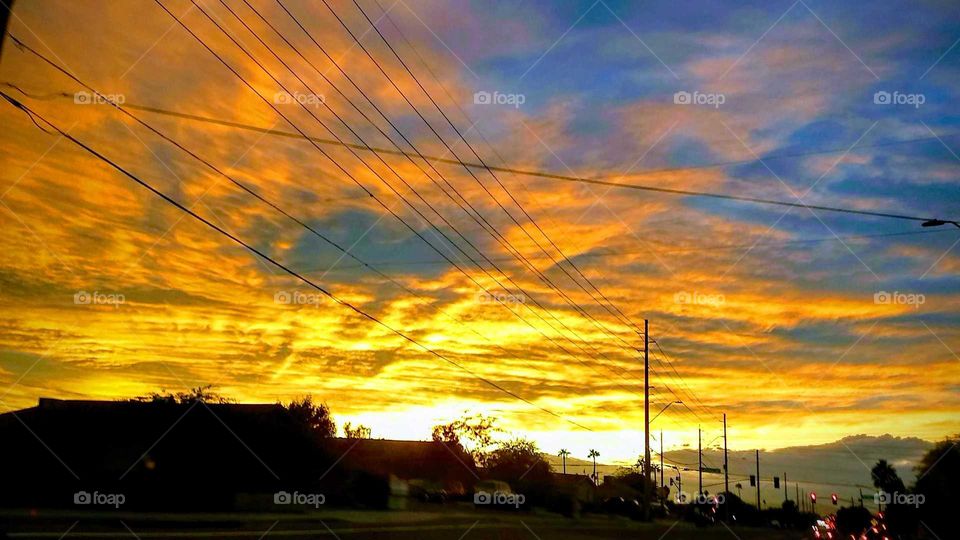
[[357, 525]]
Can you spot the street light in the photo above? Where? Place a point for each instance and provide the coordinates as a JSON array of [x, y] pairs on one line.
[[939, 222], [665, 408]]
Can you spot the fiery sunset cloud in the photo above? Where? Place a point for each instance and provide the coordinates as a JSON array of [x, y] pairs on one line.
[[800, 324]]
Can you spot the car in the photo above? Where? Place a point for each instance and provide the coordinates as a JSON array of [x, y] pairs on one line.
[[427, 491], [622, 507], [823, 531]]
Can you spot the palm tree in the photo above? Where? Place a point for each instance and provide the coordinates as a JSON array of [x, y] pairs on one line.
[[885, 477], [563, 455], [593, 454]]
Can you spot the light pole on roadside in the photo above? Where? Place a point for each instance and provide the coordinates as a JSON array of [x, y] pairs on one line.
[[646, 420]]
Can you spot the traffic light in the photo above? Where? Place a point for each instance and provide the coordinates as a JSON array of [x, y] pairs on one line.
[[833, 498], [753, 480], [813, 497], [776, 482]]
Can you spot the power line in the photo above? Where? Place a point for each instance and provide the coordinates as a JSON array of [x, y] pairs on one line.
[[802, 481], [374, 27], [554, 176], [615, 311], [381, 159], [616, 252], [439, 83], [674, 368], [564, 325], [609, 253], [174, 142], [352, 178], [279, 265], [256, 195], [683, 402], [482, 222], [377, 175], [451, 124]]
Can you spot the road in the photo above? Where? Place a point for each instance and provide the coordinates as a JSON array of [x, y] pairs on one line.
[[356, 525]]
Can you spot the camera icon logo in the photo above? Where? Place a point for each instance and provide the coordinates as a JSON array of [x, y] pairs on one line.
[[281, 497], [82, 298], [882, 297], [282, 297], [881, 97], [682, 298], [482, 98], [82, 98], [882, 497], [682, 98], [81, 497], [481, 497]]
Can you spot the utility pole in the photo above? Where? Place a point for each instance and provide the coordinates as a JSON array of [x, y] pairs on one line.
[[726, 464], [758, 479], [785, 487], [646, 419], [699, 464], [679, 481], [6, 8], [799, 500], [861, 497], [661, 460]]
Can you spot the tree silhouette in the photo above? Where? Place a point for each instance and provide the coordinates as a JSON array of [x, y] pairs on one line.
[[315, 418], [521, 463], [852, 521], [359, 432], [563, 455], [476, 430], [937, 475], [593, 454], [885, 477], [899, 517], [200, 394]]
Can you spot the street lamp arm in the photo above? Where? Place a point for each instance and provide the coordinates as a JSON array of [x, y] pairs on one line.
[[664, 409]]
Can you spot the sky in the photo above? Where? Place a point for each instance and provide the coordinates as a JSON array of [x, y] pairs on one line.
[[804, 326]]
